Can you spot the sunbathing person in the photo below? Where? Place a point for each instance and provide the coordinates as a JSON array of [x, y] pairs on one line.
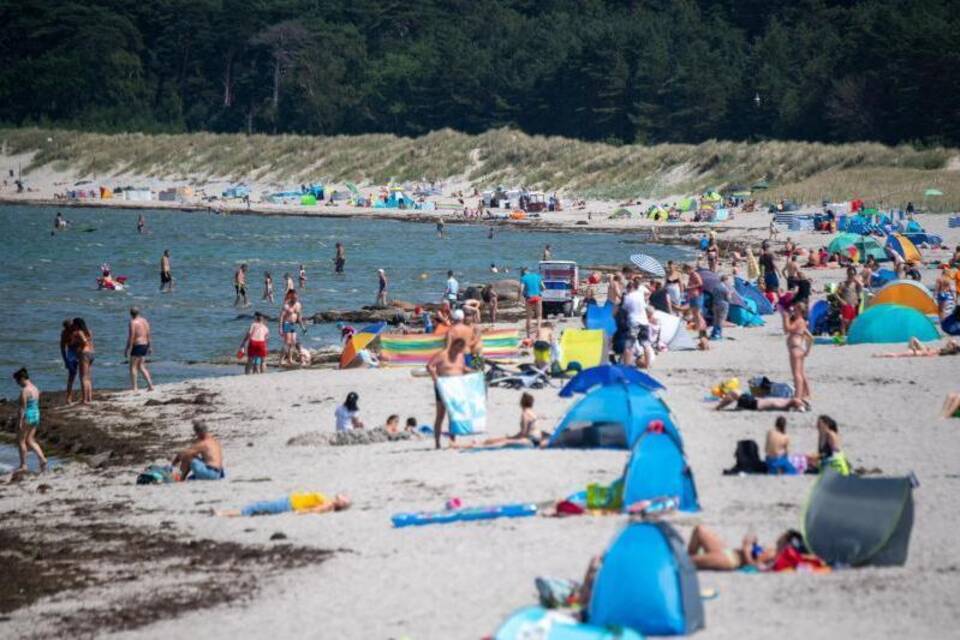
[[951, 406], [916, 349], [777, 449], [203, 460], [299, 503], [529, 432], [748, 402], [709, 552]]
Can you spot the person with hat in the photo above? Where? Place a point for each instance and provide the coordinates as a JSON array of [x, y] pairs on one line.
[[348, 414], [382, 290]]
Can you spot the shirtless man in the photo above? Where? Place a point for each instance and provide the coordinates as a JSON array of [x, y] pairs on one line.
[[288, 284], [748, 402], [166, 277], [202, 460], [59, 222], [464, 329], [448, 362], [141, 224], [340, 259], [303, 278], [542, 344], [777, 449], [291, 316], [615, 290], [255, 345], [138, 346], [850, 292], [240, 286]]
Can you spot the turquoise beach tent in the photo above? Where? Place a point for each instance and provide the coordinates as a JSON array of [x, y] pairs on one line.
[[601, 317], [865, 245], [553, 624], [888, 323], [613, 417], [656, 469], [647, 583]]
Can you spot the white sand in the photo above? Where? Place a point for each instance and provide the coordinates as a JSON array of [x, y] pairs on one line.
[[461, 580]]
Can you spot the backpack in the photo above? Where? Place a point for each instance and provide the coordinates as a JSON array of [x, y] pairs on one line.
[[155, 474], [747, 457]]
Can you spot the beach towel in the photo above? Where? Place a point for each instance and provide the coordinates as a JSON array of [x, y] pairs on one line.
[[466, 403], [417, 349], [583, 346]]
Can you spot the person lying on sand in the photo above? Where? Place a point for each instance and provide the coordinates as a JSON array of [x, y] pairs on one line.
[[916, 349], [529, 432], [709, 552], [203, 460], [747, 402], [299, 503]]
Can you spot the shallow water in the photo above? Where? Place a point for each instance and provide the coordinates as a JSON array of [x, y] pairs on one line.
[[10, 459], [46, 278]]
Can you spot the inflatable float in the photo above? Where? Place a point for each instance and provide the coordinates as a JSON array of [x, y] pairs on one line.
[[466, 514]]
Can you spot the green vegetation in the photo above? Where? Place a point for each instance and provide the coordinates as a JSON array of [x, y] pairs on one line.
[[635, 71], [809, 172]]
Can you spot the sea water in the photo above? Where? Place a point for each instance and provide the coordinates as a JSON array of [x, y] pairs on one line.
[[47, 277]]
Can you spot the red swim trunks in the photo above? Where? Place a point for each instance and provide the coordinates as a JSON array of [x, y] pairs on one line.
[[532, 300], [257, 349], [848, 312]]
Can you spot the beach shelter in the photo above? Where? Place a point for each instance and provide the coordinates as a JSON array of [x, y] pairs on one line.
[[745, 315], [907, 293], [711, 280], [556, 624], [673, 332], [857, 521], [657, 469], [818, 317], [750, 291], [883, 277], [859, 247], [889, 323], [359, 341], [606, 375], [647, 583], [600, 317], [583, 346], [612, 417], [904, 246], [712, 196], [687, 204]]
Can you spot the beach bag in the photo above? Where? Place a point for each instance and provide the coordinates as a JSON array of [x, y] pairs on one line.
[[747, 459], [155, 474], [605, 497]]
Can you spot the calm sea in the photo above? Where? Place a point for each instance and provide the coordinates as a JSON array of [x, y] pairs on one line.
[[46, 278]]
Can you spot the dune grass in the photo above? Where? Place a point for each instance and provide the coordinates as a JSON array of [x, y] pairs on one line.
[[808, 172]]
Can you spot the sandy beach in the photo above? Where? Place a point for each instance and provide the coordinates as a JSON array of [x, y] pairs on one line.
[[101, 555]]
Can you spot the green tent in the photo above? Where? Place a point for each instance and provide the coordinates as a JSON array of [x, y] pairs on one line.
[[687, 204], [712, 196], [865, 245], [621, 213], [308, 199], [761, 185], [932, 192]]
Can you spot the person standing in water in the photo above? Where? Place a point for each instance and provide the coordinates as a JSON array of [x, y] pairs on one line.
[[381, 289], [28, 419], [240, 286], [141, 224], [166, 276], [302, 276], [69, 355], [138, 346], [59, 222], [547, 254], [339, 259], [82, 343], [267, 287], [288, 284], [441, 227], [291, 316]]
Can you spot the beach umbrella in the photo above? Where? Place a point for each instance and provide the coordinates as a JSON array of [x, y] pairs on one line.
[[932, 192], [359, 341], [648, 264], [606, 375]]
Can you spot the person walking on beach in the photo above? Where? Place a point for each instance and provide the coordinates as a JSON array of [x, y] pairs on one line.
[[303, 278], [240, 286], [267, 287], [138, 346], [531, 287], [255, 345], [721, 306], [28, 419], [339, 259], [381, 289], [70, 360], [291, 316], [446, 363], [82, 343], [166, 276]]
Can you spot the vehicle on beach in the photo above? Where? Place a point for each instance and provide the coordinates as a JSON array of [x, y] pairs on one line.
[[560, 287]]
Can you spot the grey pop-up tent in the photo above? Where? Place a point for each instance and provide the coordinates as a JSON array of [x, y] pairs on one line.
[[859, 521]]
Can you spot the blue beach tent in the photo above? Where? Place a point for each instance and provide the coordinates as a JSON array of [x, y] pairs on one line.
[[552, 624], [607, 375], [889, 323], [613, 417], [647, 583], [601, 317], [751, 292], [657, 469]]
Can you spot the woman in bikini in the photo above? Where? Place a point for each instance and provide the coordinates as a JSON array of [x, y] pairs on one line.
[[83, 347], [708, 551], [799, 343], [829, 447], [916, 349], [529, 432]]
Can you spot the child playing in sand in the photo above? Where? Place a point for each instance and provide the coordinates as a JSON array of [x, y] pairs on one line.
[[299, 503]]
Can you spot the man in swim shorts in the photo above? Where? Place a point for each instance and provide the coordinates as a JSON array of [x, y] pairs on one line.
[[531, 286], [202, 460], [291, 316], [448, 362], [166, 277], [255, 344], [240, 286], [138, 347], [748, 402]]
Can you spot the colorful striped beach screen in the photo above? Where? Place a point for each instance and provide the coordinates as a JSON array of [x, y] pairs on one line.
[[417, 349]]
